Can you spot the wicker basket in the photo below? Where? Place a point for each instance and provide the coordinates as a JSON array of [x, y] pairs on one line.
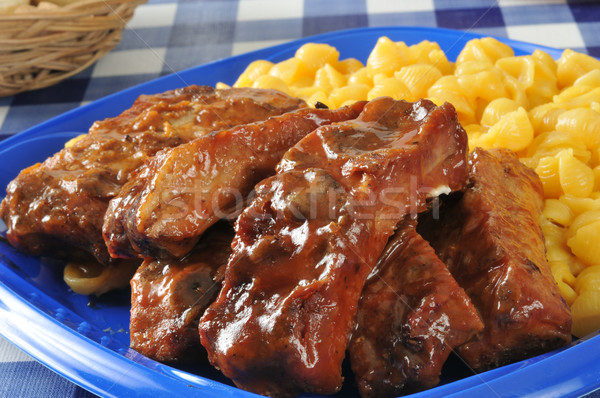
[[43, 47]]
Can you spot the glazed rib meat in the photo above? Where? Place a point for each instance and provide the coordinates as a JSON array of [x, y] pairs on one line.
[[505, 273], [411, 315], [169, 296], [306, 244], [60, 204], [181, 192]]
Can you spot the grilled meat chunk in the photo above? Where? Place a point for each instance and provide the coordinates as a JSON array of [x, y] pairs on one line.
[[167, 206], [411, 315], [304, 247], [60, 203], [492, 243], [169, 296]]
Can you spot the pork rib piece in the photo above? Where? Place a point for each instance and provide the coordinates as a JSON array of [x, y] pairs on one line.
[[505, 272], [411, 315], [181, 192], [169, 296], [60, 203], [305, 245]]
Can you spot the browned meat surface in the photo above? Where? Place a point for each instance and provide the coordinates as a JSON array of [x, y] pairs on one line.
[[307, 242], [61, 202], [165, 209], [169, 296], [411, 315], [492, 243]]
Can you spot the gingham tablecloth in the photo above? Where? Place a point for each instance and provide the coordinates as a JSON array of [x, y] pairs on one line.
[[166, 36]]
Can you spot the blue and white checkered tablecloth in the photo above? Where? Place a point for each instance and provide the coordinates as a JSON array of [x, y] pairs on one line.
[[166, 36]]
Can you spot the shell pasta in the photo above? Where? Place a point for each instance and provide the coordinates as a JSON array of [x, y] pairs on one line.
[[546, 110]]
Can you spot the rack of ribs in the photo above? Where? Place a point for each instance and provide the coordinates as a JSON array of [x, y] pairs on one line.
[[307, 242], [59, 205], [169, 296], [411, 315], [492, 243], [174, 198]]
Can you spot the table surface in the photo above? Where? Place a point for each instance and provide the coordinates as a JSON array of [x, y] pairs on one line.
[[166, 36]]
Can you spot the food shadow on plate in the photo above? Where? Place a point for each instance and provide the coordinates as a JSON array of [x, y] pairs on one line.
[[103, 319]]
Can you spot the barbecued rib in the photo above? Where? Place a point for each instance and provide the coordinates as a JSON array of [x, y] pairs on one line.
[[411, 315], [181, 192], [169, 296], [492, 243], [305, 245], [53, 206]]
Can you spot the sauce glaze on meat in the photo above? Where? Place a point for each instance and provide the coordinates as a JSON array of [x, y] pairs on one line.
[[492, 243], [169, 296], [307, 242], [411, 315], [60, 204], [164, 209]]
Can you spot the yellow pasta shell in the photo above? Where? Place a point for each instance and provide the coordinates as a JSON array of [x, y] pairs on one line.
[[585, 311], [584, 244]]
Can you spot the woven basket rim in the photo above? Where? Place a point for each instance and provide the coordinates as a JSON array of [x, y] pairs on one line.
[[43, 47], [73, 10]]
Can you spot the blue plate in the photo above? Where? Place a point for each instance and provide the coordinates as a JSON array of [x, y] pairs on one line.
[[86, 340]]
